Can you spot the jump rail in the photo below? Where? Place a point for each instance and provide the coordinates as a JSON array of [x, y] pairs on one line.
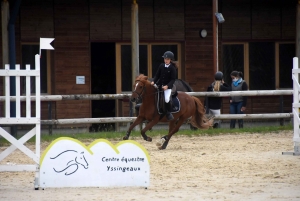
[[127, 95]]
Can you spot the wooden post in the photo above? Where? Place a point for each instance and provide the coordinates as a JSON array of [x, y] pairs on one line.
[[5, 18], [134, 42], [215, 36]]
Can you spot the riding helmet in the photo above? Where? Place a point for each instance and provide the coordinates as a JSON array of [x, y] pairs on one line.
[[219, 75], [168, 54]]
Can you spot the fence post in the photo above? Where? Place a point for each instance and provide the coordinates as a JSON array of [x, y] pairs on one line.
[[296, 106], [281, 110], [50, 116]]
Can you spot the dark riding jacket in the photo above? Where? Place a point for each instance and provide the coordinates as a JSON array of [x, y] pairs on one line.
[[215, 103], [165, 75]]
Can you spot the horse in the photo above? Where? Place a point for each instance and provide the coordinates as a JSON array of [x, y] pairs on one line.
[[180, 85], [190, 106]]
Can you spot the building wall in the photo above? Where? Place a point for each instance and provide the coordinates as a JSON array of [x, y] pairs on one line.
[[76, 23], [262, 20]]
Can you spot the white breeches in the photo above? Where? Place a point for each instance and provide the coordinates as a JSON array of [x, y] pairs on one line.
[[215, 112], [167, 95]]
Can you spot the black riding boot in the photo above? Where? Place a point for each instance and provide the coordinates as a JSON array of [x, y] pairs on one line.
[[232, 124], [241, 125], [168, 111]]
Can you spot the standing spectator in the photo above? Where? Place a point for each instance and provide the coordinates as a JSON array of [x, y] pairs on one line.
[[238, 103], [214, 104]]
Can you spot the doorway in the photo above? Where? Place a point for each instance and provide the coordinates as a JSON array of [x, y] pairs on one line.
[[103, 80]]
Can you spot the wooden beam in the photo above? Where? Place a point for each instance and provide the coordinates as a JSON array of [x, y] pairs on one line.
[[215, 36]]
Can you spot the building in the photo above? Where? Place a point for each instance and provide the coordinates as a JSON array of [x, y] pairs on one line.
[[92, 39]]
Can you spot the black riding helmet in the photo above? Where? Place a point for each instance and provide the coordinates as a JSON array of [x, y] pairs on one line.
[[168, 54], [219, 75]]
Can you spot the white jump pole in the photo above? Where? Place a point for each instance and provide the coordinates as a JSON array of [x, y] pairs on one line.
[[296, 106]]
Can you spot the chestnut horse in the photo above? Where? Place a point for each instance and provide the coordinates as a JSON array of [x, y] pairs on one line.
[[190, 107]]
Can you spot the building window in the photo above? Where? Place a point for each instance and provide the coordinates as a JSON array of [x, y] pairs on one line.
[[265, 65], [28, 57], [233, 59], [285, 64], [262, 66], [150, 56]]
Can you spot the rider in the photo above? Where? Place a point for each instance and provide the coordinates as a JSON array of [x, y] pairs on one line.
[[165, 78]]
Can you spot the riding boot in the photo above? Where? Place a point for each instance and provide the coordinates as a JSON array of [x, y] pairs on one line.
[[241, 125], [232, 124], [168, 112]]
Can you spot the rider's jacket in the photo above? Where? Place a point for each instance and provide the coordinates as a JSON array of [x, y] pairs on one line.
[[165, 75]]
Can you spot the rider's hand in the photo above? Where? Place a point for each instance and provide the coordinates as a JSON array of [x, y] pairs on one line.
[[152, 83], [165, 87]]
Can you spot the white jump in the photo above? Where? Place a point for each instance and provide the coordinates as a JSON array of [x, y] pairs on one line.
[[28, 119]]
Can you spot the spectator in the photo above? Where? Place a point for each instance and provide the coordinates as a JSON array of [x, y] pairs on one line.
[[238, 103], [214, 104]]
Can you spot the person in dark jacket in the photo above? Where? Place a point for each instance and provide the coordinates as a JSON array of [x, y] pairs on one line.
[[214, 104], [165, 78], [237, 103]]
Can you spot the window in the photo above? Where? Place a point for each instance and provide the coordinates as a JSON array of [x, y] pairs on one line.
[[28, 57], [262, 66], [233, 59], [150, 56], [285, 64], [126, 65], [265, 65]]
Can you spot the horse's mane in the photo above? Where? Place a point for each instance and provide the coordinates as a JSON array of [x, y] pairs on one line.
[[142, 78]]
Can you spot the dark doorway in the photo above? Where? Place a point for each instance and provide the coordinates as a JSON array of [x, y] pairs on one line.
[[103, 78]]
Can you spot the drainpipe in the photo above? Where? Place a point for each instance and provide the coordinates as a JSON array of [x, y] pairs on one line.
[[12, 59]]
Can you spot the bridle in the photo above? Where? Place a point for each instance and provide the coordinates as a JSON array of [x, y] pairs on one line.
[[140, 95]]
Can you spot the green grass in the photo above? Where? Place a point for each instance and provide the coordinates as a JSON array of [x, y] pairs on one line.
[[153, 133]]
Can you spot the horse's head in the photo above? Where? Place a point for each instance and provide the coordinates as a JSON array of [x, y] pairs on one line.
[[139, 88], [80, 159]]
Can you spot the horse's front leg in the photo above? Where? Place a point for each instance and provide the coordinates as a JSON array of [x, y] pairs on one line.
[[136, 122], [148, 127]]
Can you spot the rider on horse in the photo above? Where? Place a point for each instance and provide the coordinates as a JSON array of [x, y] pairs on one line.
[[165, 78]]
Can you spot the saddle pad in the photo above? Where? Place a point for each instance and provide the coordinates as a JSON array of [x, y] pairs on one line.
[[175, 105]]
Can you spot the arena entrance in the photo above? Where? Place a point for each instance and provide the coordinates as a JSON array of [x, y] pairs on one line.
[[103, 81]]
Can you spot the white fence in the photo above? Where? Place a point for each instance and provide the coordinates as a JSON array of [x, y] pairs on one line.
[[19, 144], [131, 119], [296, 106]]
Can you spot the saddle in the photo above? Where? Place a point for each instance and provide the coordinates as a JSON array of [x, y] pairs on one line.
[[160, 101]]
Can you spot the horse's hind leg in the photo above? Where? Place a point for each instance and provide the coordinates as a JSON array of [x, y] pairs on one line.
[[165, 140]]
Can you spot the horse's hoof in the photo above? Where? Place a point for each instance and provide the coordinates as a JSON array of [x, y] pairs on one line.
[[149, 139], [160, 142], [160, 148], [125, 138]]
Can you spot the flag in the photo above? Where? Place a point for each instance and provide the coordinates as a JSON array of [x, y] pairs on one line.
[[45, 44]]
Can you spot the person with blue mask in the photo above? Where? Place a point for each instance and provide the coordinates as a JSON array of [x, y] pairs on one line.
[[237, 103]]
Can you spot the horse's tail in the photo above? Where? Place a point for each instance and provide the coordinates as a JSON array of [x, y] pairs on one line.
[[199, 119]]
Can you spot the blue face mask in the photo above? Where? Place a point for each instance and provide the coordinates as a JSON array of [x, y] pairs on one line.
[[236, 81]]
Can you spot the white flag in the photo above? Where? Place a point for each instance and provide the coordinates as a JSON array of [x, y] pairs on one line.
[[45, 44]]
